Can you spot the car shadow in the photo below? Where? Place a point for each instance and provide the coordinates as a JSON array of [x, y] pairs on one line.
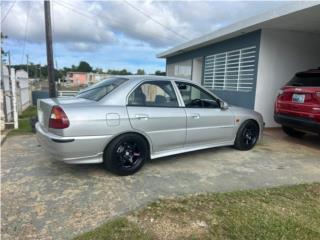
[[309, 140], [85, 170]]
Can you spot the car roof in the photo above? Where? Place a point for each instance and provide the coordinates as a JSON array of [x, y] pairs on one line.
[[150, 77], [118, 96]]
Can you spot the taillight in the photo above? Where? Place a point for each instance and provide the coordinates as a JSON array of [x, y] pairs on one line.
[[318, 94], [58, 118]]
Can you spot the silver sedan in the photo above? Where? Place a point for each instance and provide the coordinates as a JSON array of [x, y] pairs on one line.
[[124, 121]]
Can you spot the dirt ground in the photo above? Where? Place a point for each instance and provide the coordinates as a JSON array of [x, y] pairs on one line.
[[46, 199]]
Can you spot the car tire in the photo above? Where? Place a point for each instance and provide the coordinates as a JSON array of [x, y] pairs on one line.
[[126, 154], [247, 135], [293, 132]]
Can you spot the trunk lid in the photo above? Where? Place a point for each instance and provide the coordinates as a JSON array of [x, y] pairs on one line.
[[44, 107]]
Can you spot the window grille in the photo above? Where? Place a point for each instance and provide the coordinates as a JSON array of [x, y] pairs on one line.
[[233, 70]]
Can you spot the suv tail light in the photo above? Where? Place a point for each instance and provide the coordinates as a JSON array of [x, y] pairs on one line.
[[58, 118], [318, 94]]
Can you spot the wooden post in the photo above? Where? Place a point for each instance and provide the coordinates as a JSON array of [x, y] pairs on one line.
[[50, 64], [14, 98]]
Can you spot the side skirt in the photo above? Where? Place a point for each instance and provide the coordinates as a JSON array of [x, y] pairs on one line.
[[189, 149]]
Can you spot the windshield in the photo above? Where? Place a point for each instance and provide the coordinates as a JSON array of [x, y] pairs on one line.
[[305, 80], [97, 91]]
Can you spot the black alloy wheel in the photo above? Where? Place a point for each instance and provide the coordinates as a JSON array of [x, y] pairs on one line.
[[126, 154], [247, 136]]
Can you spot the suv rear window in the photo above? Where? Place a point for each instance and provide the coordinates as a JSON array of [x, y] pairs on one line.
[[305, 80]]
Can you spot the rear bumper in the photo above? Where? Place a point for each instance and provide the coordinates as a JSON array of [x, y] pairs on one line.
[[298, 123], [76, 150]]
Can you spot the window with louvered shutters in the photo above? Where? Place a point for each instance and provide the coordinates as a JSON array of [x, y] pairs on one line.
[[232, 71]]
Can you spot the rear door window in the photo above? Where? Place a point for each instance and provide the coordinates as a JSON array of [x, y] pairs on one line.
[[305, 80], [154, 94]]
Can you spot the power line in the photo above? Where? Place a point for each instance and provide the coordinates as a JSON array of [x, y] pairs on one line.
[[80, 12], [6, 14], [71, 8], [154, 20], [25, 33]]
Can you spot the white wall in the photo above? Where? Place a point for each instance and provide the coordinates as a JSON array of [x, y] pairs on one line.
[[197, 70], [282, 54], [23, 91]]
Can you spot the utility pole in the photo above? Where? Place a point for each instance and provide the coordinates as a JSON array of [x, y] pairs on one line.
[[50, 64], [27, 64]]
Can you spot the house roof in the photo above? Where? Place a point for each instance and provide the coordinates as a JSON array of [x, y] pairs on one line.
[[300, 16]]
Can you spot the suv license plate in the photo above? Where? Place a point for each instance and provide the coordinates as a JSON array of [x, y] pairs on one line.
[[298, 98]]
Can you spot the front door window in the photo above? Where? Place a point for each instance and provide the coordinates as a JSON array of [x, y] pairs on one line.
[[195, 97]]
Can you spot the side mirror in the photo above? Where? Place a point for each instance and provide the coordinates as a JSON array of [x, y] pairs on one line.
[[224, 105]]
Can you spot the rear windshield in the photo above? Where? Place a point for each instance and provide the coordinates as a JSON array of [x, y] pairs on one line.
[[97, 91], [305, 80]]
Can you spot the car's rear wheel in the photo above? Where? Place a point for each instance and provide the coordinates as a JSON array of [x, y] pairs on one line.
[[293, 132], [247, 136], [126, 154]]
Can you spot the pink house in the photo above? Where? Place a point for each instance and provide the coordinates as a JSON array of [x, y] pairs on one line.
[[77, 78]]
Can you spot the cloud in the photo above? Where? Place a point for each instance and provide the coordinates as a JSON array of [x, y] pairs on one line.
[[117, 34], [150, 22], [88, 25], [79, 32]]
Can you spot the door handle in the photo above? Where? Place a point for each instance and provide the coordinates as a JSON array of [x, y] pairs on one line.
[[142, 117], [195, 115]]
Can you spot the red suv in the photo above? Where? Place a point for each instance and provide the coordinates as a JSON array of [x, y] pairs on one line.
[[297, 106]]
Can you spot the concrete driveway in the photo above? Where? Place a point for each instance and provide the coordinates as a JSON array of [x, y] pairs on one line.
[[46, 199]]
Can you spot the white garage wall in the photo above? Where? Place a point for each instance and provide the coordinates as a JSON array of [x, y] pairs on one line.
[[282, 54]]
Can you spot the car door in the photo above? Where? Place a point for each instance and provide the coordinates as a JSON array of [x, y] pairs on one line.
[[207, 123], [153, 109]]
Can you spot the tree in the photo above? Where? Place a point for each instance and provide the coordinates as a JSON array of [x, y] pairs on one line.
[[159, 73], [124, 72], [84, 67], [73, 68], [98, 70], [140, 72], [118, 72]]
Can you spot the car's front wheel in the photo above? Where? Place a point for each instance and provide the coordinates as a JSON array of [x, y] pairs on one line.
[[293, 132], [126, 154], [247, 136]]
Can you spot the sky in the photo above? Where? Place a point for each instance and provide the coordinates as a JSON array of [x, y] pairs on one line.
[[116, 34]]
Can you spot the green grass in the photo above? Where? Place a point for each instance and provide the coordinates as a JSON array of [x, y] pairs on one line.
[[29, 112], [119, 228], [278, 213], [24, 121]]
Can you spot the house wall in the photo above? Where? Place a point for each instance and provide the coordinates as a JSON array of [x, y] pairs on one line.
[[282, 54], [79, 79], [197, 68], [244, 99]]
